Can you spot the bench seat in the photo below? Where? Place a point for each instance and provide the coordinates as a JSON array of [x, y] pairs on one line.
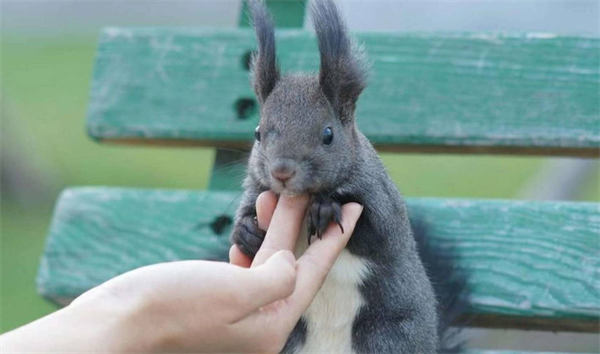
[[530, 265]]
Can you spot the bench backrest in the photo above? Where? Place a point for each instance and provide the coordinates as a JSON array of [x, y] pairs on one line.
[[453, 93]]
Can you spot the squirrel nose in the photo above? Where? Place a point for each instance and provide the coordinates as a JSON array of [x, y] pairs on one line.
[[282, 171]]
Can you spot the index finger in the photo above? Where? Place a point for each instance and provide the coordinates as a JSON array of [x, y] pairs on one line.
[[284, 227], [316, 262]]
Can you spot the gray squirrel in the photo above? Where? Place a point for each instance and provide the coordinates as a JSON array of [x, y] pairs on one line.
[[377, 297]]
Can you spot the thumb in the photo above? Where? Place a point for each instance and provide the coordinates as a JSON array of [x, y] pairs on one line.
[[273, 280]]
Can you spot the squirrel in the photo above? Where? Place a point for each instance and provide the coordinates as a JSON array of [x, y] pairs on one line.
[[377, 297]]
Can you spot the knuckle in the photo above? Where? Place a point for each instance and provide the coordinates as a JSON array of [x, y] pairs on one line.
[[288, 277]]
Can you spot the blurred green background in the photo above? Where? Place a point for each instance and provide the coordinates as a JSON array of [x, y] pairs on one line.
[[44, 82]]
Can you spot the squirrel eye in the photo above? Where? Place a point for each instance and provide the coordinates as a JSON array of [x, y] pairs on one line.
[[327, 136], [257, 133]]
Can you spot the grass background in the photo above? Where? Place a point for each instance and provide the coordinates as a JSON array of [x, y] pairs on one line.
[[45, 82]]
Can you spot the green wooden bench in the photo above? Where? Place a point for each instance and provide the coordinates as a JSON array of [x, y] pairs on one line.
[[531, 265]]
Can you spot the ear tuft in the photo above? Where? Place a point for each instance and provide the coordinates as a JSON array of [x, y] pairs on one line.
[[343, 72], [265, 72]]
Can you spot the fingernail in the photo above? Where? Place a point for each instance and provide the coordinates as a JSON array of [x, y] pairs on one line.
[[357, 208]]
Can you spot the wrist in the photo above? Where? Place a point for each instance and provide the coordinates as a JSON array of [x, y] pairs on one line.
[[100, 325], [135, 321], [103, 320]]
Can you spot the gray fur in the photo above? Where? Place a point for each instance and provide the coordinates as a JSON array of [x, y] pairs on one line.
[[264, 68], [400, 311]]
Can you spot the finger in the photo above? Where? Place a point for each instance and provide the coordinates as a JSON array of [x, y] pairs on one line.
[[238, 257], [314, 265], [265, 206], [271, 281], [284, 227]]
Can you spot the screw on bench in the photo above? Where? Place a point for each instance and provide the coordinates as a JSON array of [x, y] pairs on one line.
[[247, 58], [220, 224], [245, 107]]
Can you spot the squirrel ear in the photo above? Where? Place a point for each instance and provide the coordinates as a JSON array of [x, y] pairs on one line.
[[343, 72], [265, 72]]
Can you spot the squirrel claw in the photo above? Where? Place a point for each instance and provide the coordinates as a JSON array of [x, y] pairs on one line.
[[340, 225], [337, 217], [322, 212]]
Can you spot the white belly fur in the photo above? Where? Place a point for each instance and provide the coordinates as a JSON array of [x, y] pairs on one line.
[[329, 317]]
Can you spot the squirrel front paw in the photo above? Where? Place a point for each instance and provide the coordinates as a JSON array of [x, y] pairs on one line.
[[323, 211], [247, 235]]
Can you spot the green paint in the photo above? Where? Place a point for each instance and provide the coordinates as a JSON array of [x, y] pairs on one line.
[[286, 13], [228, 170], [469, 90], [524, 259]]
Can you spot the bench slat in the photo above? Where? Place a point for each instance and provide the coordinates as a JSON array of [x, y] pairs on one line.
[[530, 264], [529, 93]]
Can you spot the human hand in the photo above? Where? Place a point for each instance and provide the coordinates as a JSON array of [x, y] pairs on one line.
[[282, 219], [200, 305]]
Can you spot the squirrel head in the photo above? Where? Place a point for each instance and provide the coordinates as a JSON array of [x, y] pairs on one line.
[[306, 138]]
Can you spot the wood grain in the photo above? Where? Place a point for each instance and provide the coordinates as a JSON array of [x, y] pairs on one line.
[[488, 93], [529, 264]]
